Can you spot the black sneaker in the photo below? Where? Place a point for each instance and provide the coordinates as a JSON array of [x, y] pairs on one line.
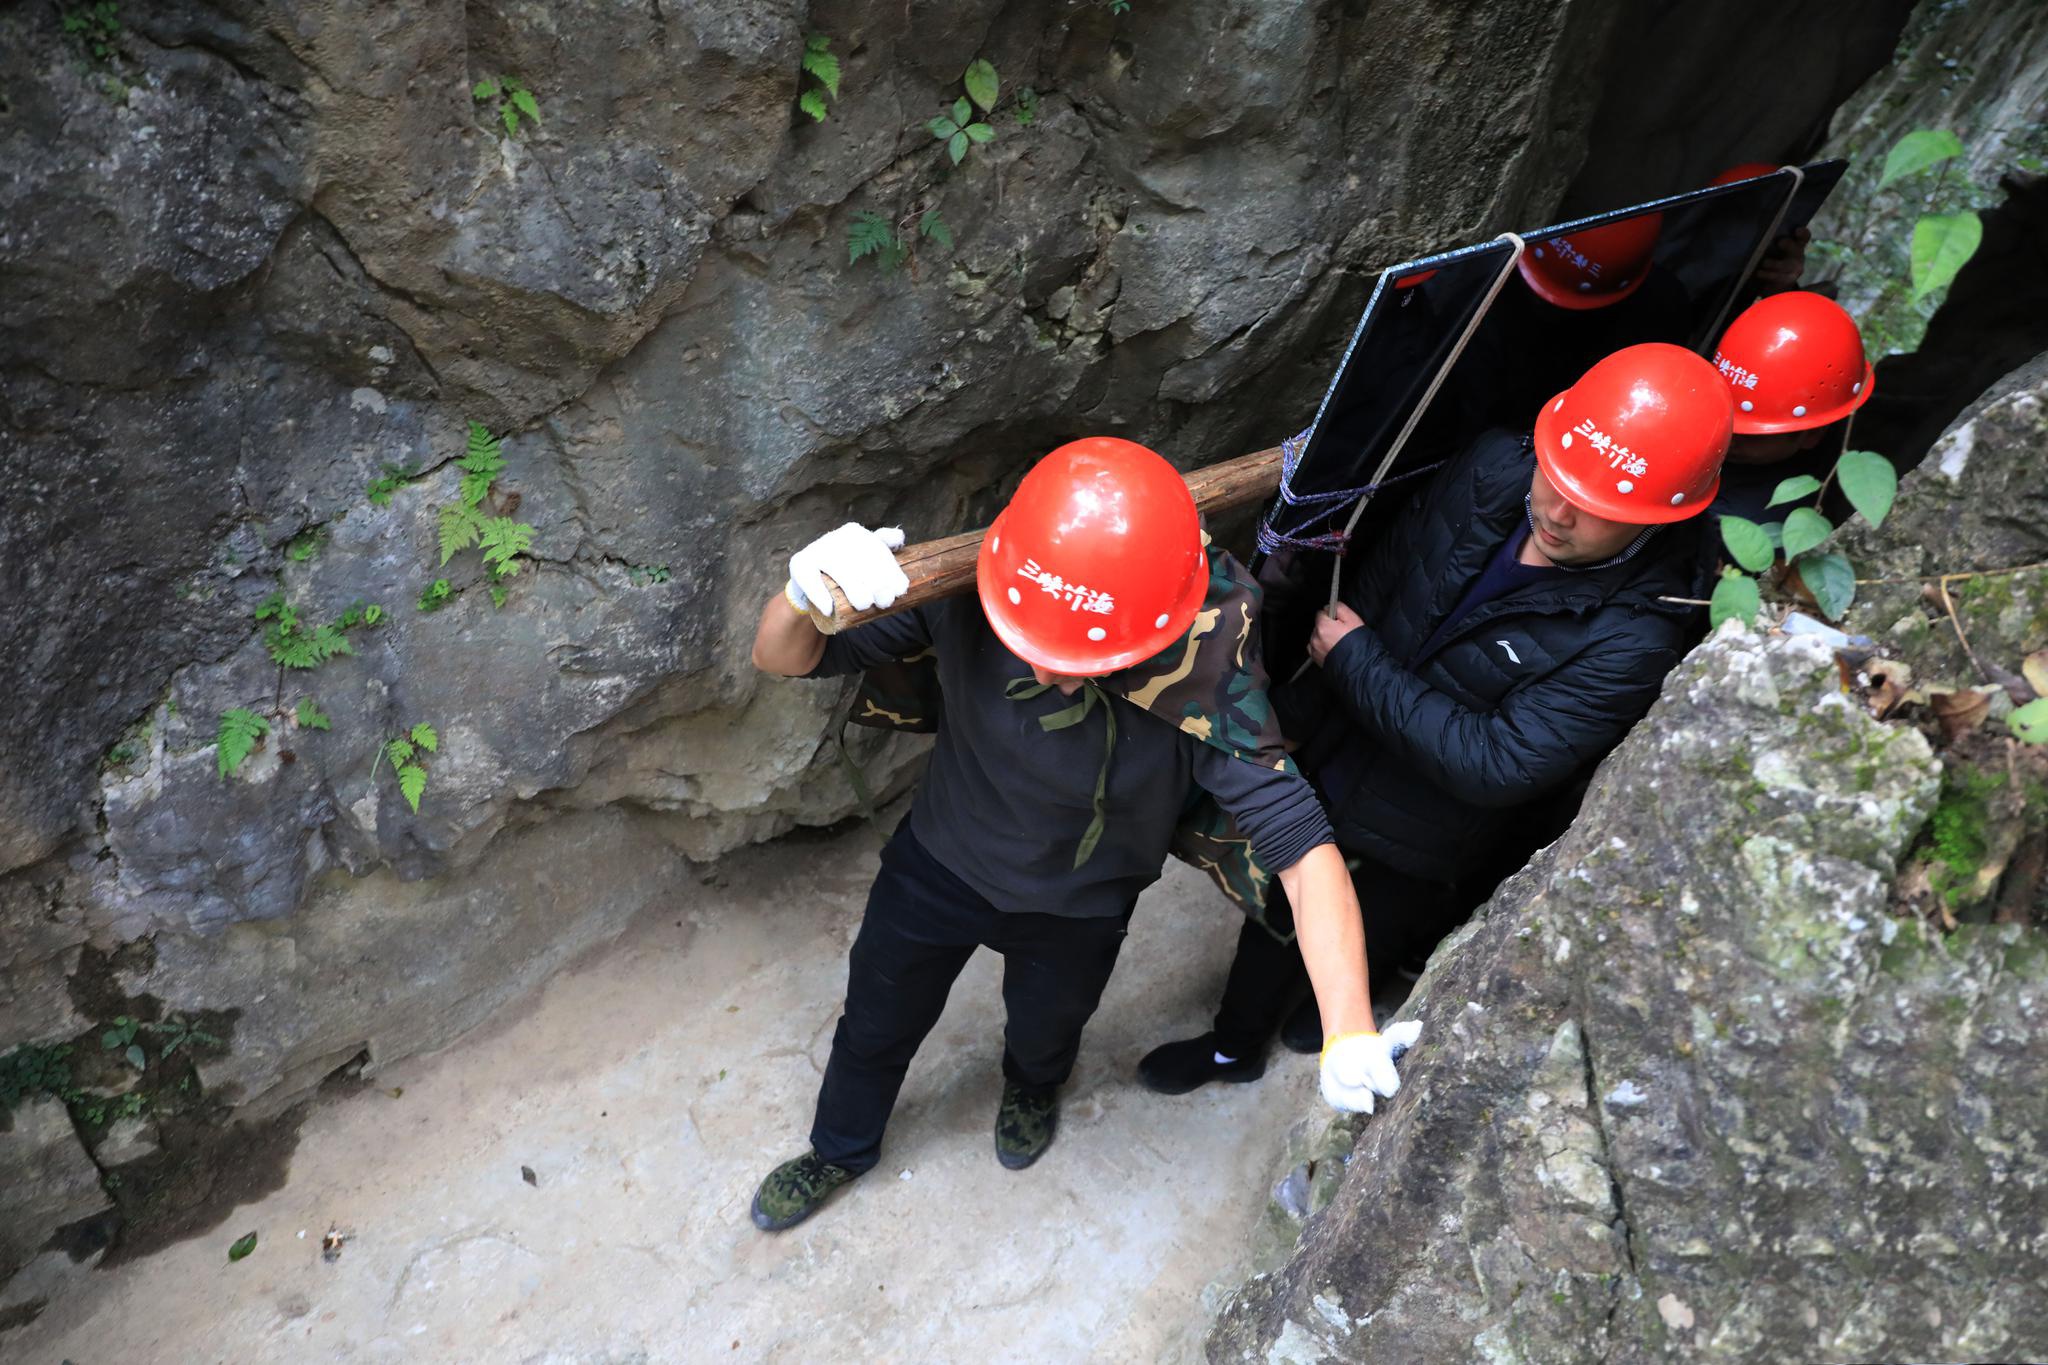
[[1177, 1068], [1025, 1124], [1303, 1031], [793, 1191]]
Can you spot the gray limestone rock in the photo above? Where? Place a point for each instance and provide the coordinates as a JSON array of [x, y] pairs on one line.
[[46, 1179]]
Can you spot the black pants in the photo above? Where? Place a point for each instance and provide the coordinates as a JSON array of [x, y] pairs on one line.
[[1404, 917], [921, 926]]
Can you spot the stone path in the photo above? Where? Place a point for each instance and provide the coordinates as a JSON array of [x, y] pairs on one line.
[[647, 1090]]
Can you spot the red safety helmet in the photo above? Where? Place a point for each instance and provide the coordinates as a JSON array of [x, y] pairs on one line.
[[1794, 362], [1593, 268], [1748, 170], [1097, 563], [1640, 437]]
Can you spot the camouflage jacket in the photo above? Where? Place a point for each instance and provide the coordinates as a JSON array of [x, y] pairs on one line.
[[1209, 683]]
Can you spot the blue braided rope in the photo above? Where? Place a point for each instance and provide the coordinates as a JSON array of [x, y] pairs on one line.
[[1314, 505]]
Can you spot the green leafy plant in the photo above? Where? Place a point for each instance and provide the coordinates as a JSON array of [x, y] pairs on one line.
[[120, 1037], [95, 26], [1026, 112], [305, 544], [291, 643], [239, 732], [406, 754], [100, 1110], [871, 234], [822, 67], [1942, 243], [29, 1071], [311, 717], [390, 481], [1870, 484], [509, 97], [958, 128], [467, 523], [1119, 6], [435, 595], [178, 1032], [647, 575]]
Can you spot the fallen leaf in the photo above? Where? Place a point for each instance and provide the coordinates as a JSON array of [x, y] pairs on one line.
[[242, 1247], [331, 1244], [2035, 670], [1891, 685], [1958, 712], [2029, 724], [395, 1091], [526, 1174]]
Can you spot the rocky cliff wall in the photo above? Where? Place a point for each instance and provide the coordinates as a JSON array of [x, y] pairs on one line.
[[259, 257]]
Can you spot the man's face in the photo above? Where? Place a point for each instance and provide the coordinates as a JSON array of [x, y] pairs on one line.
[[1067, 683], [1566, 535], [1771, 449]]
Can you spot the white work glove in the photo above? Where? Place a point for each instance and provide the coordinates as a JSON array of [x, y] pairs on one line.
[[1357, 1066], [857, 559]]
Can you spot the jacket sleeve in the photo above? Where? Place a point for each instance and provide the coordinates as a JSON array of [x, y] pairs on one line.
[[1275, 809], [886, 639], [1534, 742]]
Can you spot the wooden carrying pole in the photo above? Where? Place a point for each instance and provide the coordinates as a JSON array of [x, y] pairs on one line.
[[944, 568]]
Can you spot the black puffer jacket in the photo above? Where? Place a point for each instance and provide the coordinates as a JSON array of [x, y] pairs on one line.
[[1520, 696]]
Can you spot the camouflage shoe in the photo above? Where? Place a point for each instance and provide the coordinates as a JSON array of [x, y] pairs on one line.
[[793, 1191], [1024, 1125]]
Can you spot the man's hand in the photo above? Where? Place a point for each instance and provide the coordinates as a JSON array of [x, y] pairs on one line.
[[858, 560], [1357, 1066], [1332, 625], [1783, 264], [790, 640]]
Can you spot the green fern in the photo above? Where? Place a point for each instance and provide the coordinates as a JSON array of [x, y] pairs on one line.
[[239, 731], [822, 67], [311, 717], [461, 526], [390, 481], [870, 234], [503, 540], [481, 463], [934, 227], [512, 99], [406, 763], [292, 645], [412, 784]]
